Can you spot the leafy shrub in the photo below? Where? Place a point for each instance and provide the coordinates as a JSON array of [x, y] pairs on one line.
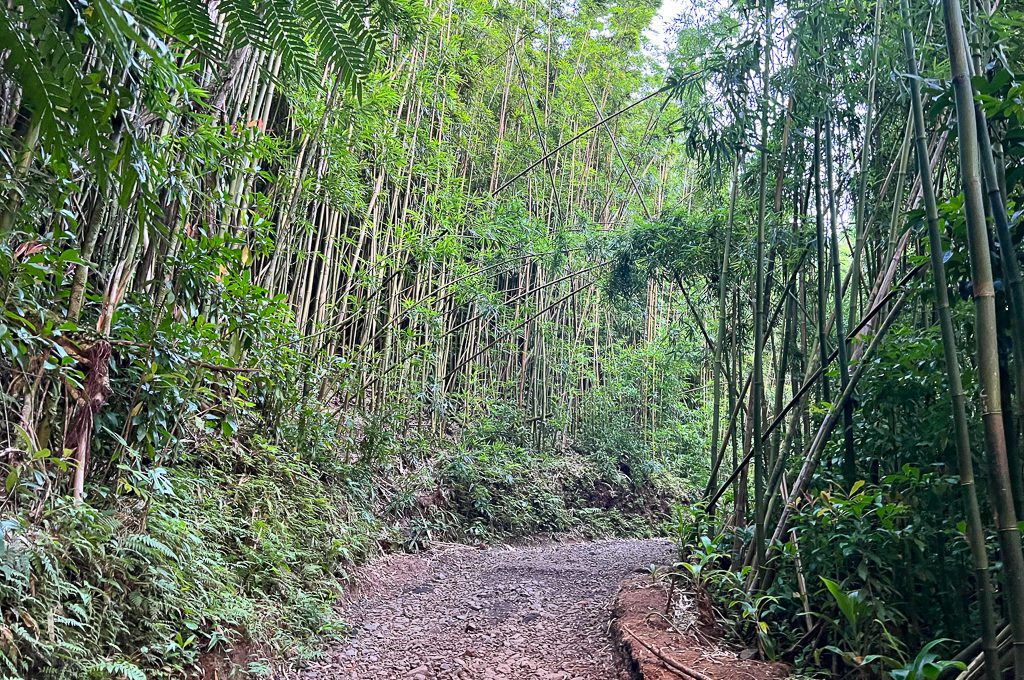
[[867, 557]]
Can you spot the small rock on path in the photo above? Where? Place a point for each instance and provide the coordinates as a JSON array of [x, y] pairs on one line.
[[508, 612]]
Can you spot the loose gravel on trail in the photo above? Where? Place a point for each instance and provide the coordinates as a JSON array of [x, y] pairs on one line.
[[507, 612]]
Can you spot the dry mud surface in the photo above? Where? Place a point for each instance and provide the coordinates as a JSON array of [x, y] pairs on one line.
[[506, 612]]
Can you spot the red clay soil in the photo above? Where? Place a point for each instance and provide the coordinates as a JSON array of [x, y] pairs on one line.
[[656, 649]]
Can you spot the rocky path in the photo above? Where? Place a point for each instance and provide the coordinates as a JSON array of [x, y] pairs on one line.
[[458, 612]]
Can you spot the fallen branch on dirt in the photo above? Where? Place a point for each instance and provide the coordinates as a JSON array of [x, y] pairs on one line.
[[671, 664]]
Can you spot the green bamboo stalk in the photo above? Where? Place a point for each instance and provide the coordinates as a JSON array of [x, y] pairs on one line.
[[760, 299], [863, 178], [985, 327], [1014, 293], [723, 291], [819, 225], [975, 528], [849, 454]]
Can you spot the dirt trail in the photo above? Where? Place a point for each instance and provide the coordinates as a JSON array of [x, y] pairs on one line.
[[458, 612]]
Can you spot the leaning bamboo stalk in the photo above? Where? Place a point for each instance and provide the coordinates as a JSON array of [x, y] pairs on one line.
[[577, 136], [474, 318], [831, 420], [736, 406], [541, 138], [615, 145], [864, 156], [815, 372], [531, 318], [978, 666]]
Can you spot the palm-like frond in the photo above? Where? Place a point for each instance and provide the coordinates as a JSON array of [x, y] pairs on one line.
[[155, 14], [137, 38], [288, 37], [341, 34], [190, 20], [341, 37], [29, 59], [243, 23]]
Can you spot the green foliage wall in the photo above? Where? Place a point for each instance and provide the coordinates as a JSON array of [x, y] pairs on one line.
[[261, 288]]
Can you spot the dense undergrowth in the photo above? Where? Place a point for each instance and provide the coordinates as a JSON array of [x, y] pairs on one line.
[[247, 541]]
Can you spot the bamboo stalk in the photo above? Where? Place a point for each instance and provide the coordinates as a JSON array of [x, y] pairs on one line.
[[985, 327], [975, 528]]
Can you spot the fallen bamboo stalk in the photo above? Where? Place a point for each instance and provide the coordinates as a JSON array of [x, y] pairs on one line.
[[679, 668]]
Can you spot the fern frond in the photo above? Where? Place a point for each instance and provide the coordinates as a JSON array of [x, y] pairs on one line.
[[78, 610], [190, 22], [288, 38], [67, 621], [340, 35], [116, 669], [243, 23], [21, 632], [44, 563], [72, 650], [147, 545], [9, 664]]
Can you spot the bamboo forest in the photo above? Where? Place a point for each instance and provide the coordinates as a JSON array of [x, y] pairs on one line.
[[569, 340]]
